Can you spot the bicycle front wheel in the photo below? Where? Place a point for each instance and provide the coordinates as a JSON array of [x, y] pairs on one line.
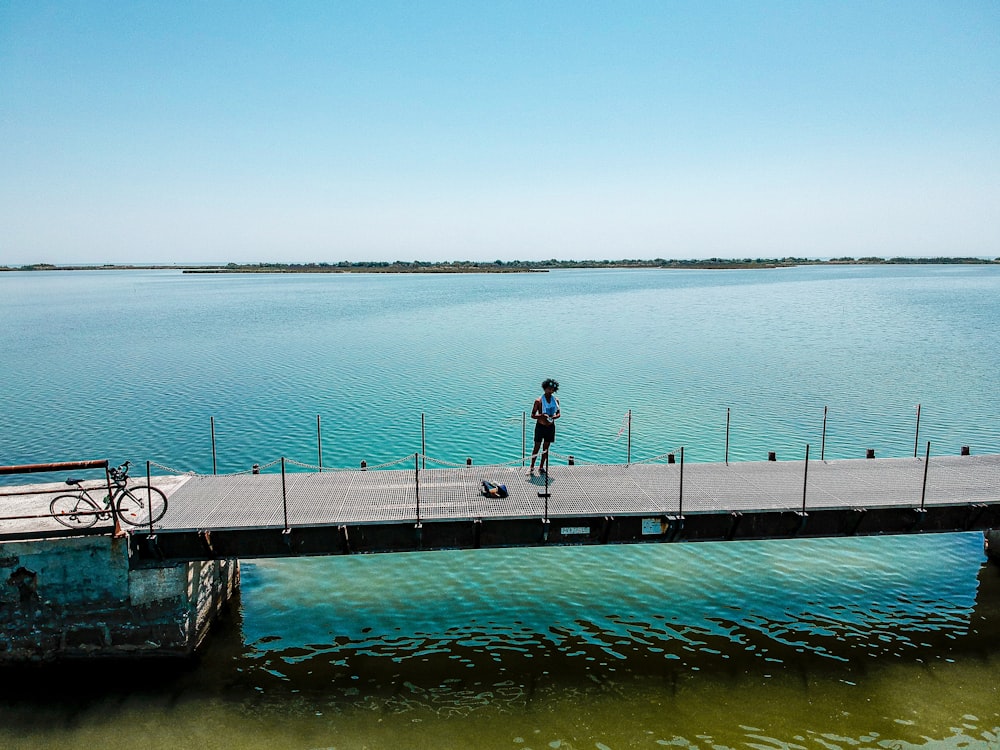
[[141, 506], [75, 511]]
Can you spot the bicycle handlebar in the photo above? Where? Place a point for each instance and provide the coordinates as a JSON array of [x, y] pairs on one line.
[[120, 473]]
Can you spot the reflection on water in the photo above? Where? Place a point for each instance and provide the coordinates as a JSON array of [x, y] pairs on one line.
[[884, 642], [830, 597]]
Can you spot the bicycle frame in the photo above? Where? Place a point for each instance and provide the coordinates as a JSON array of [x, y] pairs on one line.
[[80, 509]]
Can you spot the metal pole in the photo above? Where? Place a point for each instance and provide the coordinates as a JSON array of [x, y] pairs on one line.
[[111, 497], [213, 445], [629, 457], [927, 461], [546, 495], [822, 446], [727, 436], [319, 443], [423, 440], [149, 498], [416, 471], [284, 494], [805, 479], [524, 437], [680, 493], [60, 466], [916, 435]]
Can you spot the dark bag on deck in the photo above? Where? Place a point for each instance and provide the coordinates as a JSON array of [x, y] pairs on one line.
[[494, 490]]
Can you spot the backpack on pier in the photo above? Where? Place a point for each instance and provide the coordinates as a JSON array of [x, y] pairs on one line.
[[494, 490]]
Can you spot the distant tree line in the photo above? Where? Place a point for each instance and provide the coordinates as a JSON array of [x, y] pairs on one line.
[[499, 266], [505, 266]]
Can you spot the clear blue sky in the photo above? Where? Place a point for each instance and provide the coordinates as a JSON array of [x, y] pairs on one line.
[[251, 131]]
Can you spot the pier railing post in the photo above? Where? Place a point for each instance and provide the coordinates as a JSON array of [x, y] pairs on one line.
[[213, 446], [680, 490], [149, 498], [546, 495], [727, 436], [916, 434], [416, 472], [927, 461], [822, 445], [524, 436], [284, 495], [319, 443], [805, 479]]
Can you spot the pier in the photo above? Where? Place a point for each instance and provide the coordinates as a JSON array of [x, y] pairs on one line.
[[398, 510], [344, 511], [116, 589]]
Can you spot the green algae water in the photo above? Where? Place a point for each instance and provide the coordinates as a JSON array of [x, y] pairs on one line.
[[880, 642]]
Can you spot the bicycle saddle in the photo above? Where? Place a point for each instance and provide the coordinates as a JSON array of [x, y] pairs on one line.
[[73, 481]]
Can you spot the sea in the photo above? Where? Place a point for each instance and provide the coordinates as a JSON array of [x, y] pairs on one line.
[[881, 642]]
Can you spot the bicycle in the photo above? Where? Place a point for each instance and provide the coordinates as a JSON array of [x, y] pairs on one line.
[[133, 505]]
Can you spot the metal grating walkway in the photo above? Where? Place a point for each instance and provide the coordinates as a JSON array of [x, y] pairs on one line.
[[359, 497]]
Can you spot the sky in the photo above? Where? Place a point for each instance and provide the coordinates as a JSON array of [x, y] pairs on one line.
[[196, 132]]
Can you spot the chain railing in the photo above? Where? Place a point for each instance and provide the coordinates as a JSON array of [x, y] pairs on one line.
[[418, 462], [623, 432]]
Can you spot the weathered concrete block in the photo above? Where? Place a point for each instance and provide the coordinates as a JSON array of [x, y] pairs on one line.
[[71, 571], [78, 597], [152, 585]]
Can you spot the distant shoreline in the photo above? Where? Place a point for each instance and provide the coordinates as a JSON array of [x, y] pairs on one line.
[[514, 266]]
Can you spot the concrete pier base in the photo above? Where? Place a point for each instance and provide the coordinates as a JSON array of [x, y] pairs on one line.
[[991, 544], [78, 598]]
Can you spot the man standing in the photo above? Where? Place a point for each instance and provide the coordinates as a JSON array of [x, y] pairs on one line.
[[545, 412]]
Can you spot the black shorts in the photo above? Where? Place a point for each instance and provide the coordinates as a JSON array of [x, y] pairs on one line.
[[546, 432]]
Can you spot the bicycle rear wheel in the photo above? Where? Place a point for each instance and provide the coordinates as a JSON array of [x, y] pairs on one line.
[[75, 511], [137, 504]]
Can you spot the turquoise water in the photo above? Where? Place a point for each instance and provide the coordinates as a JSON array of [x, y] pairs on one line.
[[885, 642], [136, 364]]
